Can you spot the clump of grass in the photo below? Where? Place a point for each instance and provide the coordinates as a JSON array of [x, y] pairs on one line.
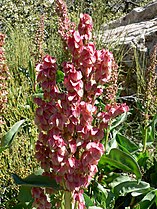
[[19, 48], [20, 156]]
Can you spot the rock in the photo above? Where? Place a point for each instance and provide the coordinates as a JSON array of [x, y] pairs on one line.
[[136, 15], [136, 31]]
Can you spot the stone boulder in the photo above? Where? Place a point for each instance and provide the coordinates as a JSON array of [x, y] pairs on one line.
[[136, 31]]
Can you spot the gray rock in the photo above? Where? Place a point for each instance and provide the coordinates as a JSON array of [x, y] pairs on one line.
[[135, 31], [136, 15]]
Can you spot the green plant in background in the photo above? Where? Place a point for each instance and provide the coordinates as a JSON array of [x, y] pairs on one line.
[[113, 187], [106, 186], [112, 183], [78, 126]]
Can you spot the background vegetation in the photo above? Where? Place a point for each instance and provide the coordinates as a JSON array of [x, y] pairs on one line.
[[31, 29]]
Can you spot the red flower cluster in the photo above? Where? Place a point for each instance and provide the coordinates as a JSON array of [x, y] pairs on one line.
[[69, 145], [85, 26], [40, 199]]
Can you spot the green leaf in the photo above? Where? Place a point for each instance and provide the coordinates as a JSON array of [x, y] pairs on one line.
[[137, 206], [10, 135], [32, 72], [152, 129], [148, 200], [37, 181], [126, 144], [129, 186], [88, 201], [142, 159], [125, 184], [121, 160], [110, 177], [99, 193], [112, 143], [60, 76], [3, 148], [25, 194], [110, 201], [120, 179], [39, 95], [140, 192], [156, 197], [120, 119], [102, 189], [19, 206]]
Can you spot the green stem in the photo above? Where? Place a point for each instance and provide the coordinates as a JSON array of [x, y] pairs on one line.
[[107, 136], [68, 200], [145, 138], [76, 205], [62, 201]]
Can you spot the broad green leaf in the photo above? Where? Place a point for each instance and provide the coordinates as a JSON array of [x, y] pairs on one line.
[[10, 135], [140, 192], [126, 144], [25, 194], [60, 76], [111, 144], [20, 206], [120, 179], [120, 119], [121, 160], [88, 201], [148, 200], [129, 186], [110, 177], [37, 181]]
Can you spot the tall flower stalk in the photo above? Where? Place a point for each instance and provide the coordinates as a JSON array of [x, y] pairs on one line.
[[4, 74], [39, 40], [150, 97], [70, 124]]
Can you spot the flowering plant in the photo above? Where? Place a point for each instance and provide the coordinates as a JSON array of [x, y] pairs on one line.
[[70, 124], [75, 117], [4, 74]]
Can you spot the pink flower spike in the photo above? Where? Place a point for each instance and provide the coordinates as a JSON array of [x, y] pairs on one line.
[[69, 116], [85, 26]]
